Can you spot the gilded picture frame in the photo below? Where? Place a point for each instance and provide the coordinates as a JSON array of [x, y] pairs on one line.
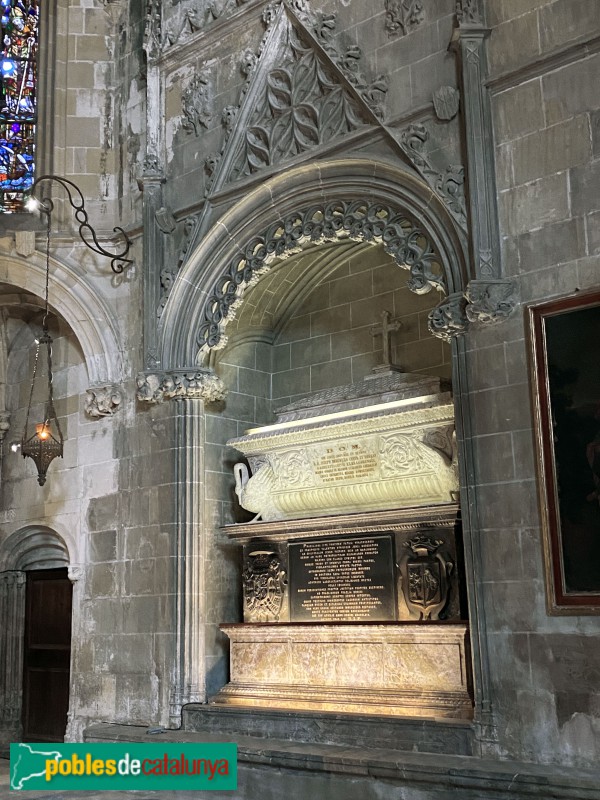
[[564, 338]]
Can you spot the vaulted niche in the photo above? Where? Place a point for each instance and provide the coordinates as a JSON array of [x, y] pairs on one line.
[[340, 424]]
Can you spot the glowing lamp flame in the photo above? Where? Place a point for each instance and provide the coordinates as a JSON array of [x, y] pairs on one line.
[[42, 431]]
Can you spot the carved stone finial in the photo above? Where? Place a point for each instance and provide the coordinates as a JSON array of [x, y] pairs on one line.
[[490, 301], [449, 319], [103, 401], [160, 386]]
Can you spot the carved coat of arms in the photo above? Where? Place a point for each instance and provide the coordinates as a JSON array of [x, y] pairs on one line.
[[425, 571], [264, 580]]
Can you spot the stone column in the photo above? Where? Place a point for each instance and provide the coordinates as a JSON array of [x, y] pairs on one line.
[[74, 729], [490, 296], [189, 686], [190, 390], [12, 615], [152, 181]]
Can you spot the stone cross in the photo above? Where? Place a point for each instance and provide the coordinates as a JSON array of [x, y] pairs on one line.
[[385, 330]]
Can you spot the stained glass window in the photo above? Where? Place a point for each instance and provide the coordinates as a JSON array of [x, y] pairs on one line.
[[18, 83]]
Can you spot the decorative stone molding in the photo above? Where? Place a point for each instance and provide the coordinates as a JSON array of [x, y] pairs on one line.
[[310, 667], [449, 184], [293, 112], [468, 12], [403, 16], [75, 572], [446, 100], [449, 318], [282, 111], [195, 103], [167, 275], [199, 384], [103, 401], [400, 236], [490, 301]]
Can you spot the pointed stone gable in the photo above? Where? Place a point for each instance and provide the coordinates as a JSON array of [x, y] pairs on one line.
[[301, 94]]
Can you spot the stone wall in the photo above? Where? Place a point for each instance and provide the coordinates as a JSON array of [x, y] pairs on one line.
[[114, 495], [543, 667]]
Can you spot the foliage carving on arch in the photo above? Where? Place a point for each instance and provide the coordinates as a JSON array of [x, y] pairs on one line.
[[400, 236]]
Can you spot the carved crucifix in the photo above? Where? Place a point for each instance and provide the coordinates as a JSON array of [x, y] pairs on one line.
[[385, 330]]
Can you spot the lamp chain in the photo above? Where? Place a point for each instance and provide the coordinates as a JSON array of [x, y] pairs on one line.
[[48, 224]]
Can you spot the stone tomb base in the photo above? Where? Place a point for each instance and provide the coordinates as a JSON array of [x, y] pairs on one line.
[[396, 669]]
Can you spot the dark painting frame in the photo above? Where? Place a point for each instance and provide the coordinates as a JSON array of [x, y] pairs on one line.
[[564, 337]]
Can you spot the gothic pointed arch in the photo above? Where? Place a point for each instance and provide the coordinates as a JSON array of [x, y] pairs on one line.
[[88, 315], [332, 200]]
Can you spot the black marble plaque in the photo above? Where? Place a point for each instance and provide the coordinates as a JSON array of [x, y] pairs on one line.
[[342, 580]]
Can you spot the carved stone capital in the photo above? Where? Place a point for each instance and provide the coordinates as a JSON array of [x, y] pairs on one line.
[[199, 383], [103, 401], [490, 301], [75, 572], [448, 319], [13, 577]]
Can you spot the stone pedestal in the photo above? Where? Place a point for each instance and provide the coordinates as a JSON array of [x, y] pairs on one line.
[[393, 669]]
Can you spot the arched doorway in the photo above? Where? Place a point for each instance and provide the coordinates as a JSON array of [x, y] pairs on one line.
[[36, 602]]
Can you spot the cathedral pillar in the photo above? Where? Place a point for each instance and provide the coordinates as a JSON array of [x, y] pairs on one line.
[[12, 614], [189, 390], [189, 686], [74, 728]]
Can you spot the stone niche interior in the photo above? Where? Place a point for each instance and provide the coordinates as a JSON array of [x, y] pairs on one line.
[[332, 620]]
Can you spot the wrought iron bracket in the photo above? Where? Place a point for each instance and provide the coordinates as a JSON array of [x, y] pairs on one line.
[[87, 234]]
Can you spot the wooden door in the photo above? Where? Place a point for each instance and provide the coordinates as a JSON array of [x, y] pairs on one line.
[[47, 655]]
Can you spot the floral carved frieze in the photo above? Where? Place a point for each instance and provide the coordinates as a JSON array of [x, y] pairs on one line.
[[406, 241], [198, 384], [103, 401], [403, 16]]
